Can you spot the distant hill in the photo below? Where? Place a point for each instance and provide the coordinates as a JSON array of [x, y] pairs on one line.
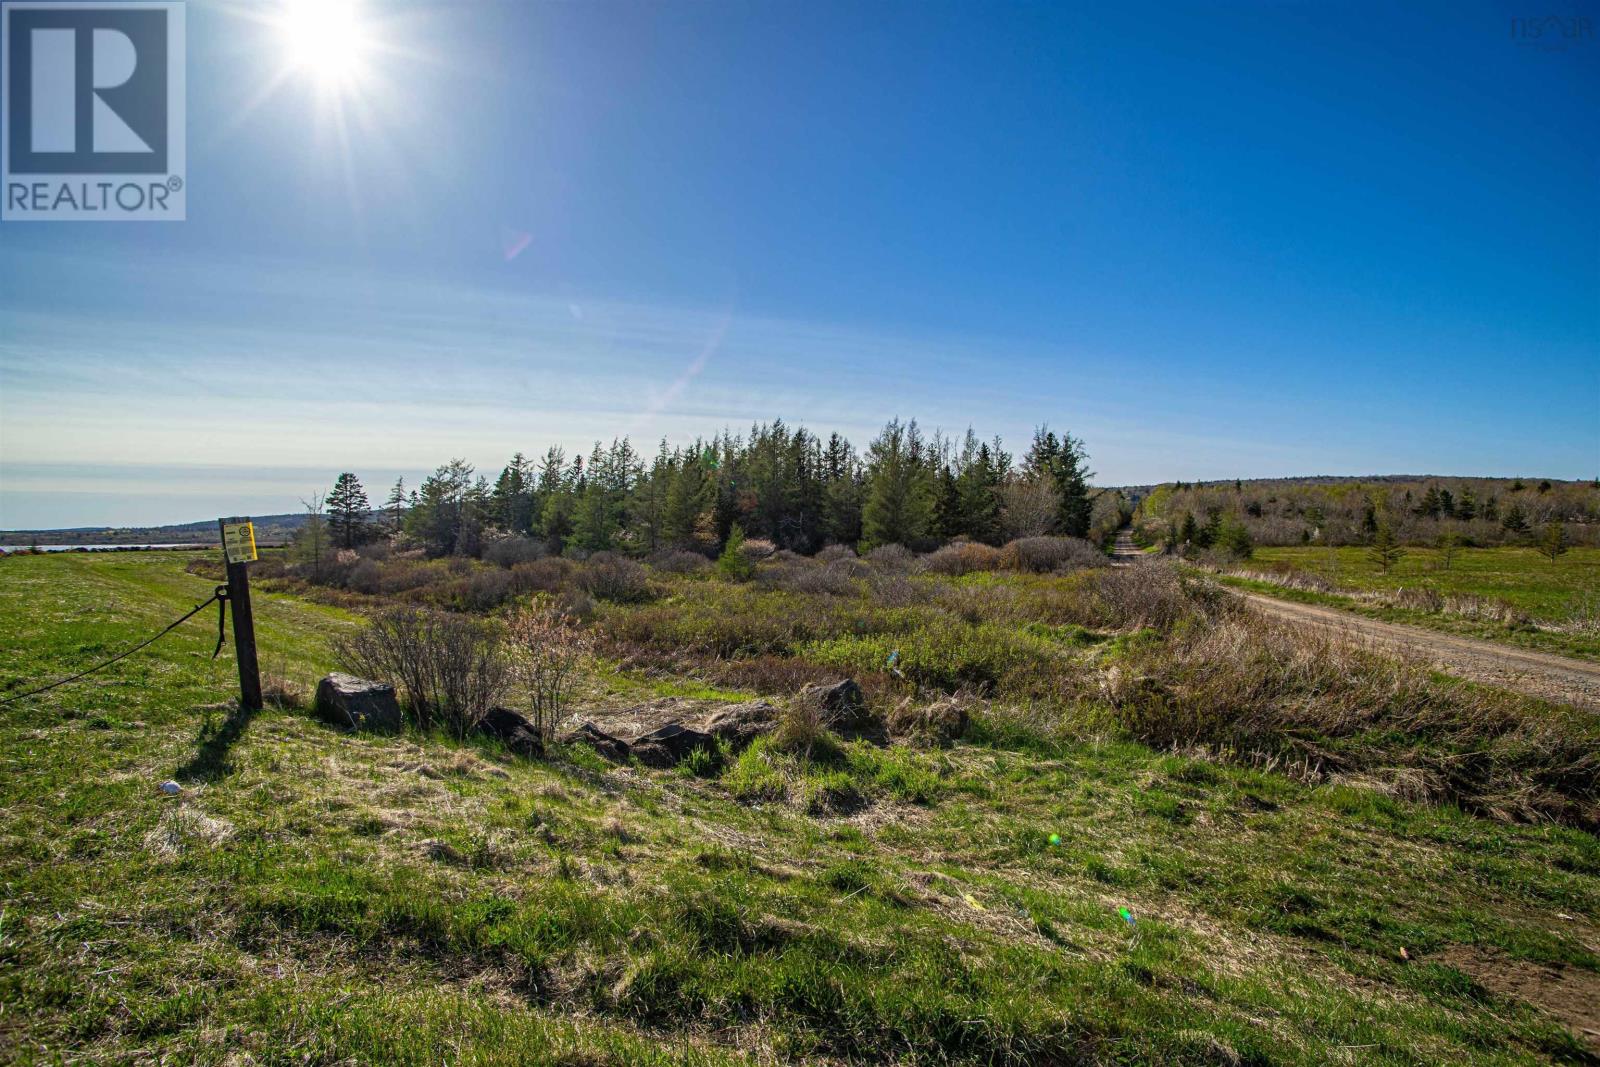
[[270, 530]]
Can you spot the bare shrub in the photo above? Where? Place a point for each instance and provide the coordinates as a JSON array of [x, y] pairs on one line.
[[451, 669], [1041, 555], [679, 561], [756, 549], [618, 579], [829, 553], [1148, 595], [507, 552], [481, 589], [894, 591], [366, 577], [575, 604], [379, 550], [962, 557], [1028, 508], [891, 558], [546, 652], [813, 579], [548, 575]]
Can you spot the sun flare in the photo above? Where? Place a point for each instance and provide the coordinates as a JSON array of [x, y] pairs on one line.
[[327, 40]]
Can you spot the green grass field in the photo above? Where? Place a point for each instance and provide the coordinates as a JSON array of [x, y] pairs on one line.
[[318, 897], [1562, 599]]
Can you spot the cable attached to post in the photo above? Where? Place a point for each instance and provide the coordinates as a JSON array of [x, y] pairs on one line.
[[219, 595]]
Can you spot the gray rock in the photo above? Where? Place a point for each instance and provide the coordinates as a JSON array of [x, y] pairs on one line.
[[669, 745], [346, 700], [614, 749], [740, 724], [514, 731], [844, 708]]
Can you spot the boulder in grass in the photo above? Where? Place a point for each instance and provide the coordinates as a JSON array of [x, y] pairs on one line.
[[740, 724], [614, 749], [670, 745], [514, 731], [843, 708], [345, 700]]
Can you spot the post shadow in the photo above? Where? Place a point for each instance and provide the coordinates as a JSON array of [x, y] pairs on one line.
[[210, 760]]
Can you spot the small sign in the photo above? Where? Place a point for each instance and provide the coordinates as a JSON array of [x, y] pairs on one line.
[[239, 542]]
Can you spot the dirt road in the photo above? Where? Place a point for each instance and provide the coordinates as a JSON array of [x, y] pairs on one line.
[[1569, 681]]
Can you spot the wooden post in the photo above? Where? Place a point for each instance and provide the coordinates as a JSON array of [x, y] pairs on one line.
[[244, 624]]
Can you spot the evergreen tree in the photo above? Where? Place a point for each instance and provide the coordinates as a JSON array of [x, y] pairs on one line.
[[1189, 534], [1385, 550], [842, 492], [1449, 544], [1553, 543], [395, 506], [1515, 521], [733, 564], [347, 511], [445, 514], [901, 492], [511, 501], [689, 497], [1063, 460]]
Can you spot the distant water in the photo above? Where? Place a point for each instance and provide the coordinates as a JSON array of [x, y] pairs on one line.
[[94, 548]]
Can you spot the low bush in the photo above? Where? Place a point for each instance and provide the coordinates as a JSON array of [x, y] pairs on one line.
[[547, 650], [1041, 555], [451, 669], [891, 557], [548, 575], [1151, 595], [507, 552], [830, 553], [608, 576], [481, 589], [962, 557], [679, 561]]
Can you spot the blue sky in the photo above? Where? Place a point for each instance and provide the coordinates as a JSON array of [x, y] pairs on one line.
[[1212, 240]]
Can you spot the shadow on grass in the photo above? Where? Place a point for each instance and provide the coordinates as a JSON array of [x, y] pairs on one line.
[[210, 761]]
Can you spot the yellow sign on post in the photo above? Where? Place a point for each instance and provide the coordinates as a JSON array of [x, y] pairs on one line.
[[239, 542]]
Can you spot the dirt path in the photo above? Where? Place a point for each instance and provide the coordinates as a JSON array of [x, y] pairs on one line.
[[1569, 681]]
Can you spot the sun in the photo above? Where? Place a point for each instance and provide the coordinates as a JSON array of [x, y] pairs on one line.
[[326, 40]]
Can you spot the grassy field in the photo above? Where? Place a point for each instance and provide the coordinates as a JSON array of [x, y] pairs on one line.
[[1554, 606], [319, 897]]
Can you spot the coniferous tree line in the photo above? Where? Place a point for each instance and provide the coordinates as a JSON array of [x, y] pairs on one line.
[[778, 483]]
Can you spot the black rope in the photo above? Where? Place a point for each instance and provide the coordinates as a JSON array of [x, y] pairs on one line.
[[220, 595]]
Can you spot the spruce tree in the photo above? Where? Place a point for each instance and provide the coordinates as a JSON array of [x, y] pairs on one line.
[[900, 500], [347, 511], [1385, 550], [395, 506], [1553, 543]]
